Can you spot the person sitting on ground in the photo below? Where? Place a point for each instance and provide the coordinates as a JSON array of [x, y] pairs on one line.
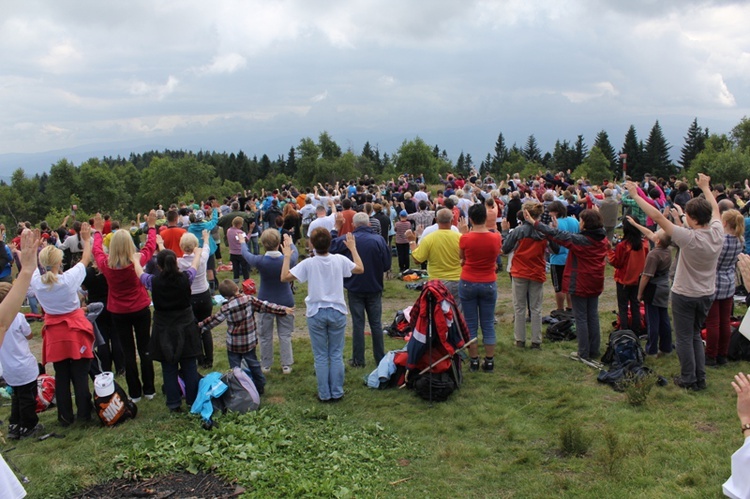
[[239, 312]]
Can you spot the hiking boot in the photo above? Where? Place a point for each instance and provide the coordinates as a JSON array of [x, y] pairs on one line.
[[710, 361], [14, 432], [536, 346], [30, 432], [488, 365], [521, 344], [721, 361], [687, 386], [700, 385], [474, 364], [355, 364]]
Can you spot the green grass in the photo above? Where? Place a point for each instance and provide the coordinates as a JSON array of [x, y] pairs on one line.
[[499, 436]]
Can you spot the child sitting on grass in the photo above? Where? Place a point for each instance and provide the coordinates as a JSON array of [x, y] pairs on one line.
[[20, 371], [239, 312]]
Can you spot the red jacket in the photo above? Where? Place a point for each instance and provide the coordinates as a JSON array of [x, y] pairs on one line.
[[67, 336], [584, 269], [126, 293]]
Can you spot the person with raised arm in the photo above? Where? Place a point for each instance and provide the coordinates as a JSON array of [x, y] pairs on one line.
[[694, 283]]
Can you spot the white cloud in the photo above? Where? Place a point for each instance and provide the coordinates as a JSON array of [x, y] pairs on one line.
[[319, 97], [595, 90], [155, 91], [61, 57], [227, 63]]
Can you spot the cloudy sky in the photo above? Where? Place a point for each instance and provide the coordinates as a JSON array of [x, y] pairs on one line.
[[259, 75]]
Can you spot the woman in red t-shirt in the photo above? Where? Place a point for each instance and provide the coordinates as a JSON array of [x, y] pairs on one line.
[[477, 289]]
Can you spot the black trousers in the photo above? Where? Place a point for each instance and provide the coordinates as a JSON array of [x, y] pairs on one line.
[[403, 256], [202, 308], [111, 351], [75, 371], [125, 325], [239, 265], [23, 406], [628, 295]]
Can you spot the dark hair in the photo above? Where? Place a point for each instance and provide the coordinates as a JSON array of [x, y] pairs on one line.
[[228, 288], [700, 210], [632, 235], [167, 262], [422, 204], [346, 203], [321, 240], [592, 219], [477, 214], [558, 208], [172, 216]]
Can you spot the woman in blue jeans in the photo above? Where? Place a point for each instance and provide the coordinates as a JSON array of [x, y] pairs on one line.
[[477, 288], [325, 306]]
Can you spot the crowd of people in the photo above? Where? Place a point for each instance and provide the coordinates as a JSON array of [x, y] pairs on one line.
[[549, 224]]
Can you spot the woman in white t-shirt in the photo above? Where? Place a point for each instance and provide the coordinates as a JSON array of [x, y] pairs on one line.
[[326, 307], [67, 335], [200, 294]]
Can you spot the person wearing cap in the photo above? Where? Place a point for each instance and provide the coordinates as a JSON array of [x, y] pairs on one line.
[[402, 243]]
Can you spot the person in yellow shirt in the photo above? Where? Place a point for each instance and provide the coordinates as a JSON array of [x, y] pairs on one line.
[[440, 250]]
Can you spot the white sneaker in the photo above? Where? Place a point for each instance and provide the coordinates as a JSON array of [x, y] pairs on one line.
[[150, 396], [286, 369], [265, 370], [136, 400]]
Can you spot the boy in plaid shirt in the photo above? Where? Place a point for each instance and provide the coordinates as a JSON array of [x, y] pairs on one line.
[[239, 312]]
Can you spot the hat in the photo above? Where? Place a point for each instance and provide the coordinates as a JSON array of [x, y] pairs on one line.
[[45, 236], [403, 213], [199, 216], [104, 384]]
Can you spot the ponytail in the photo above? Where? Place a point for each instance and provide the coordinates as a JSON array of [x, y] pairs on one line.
[[50, 258], [735, 222]]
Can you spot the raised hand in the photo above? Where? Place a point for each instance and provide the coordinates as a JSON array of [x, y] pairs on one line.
[[29, 244]]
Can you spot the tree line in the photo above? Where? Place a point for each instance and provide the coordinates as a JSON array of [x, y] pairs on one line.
[[126, 186]]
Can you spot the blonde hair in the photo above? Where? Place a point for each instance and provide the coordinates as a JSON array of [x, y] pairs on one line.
[[121, 249], [236, 222], [735, 222], [270, 239], [50, 258], [535, 209], [188, 242]]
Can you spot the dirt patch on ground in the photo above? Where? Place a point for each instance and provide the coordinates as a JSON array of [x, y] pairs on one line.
[[175, 485]]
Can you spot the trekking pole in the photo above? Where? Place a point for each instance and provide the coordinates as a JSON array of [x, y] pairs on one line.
[[590, 363], [24, 478], [446, 356]]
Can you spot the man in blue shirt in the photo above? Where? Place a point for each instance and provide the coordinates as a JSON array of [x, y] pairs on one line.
[[365, 291]]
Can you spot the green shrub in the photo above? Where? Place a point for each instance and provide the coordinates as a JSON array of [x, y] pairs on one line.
[[573, 442]]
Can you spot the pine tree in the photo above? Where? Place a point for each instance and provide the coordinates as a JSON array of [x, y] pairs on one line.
[[695, 142], [436, 151], [501, 153], [460, 163], [367, 152], [602, 142], [291, 163], [532, 152], [633, 149], [656, 153], [581, 151]]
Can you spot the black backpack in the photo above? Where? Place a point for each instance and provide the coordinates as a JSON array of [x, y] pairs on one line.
[[563, 330], [739, 346], [624, 348]]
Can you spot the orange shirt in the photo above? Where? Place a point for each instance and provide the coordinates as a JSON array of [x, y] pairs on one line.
[[171, 237]]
